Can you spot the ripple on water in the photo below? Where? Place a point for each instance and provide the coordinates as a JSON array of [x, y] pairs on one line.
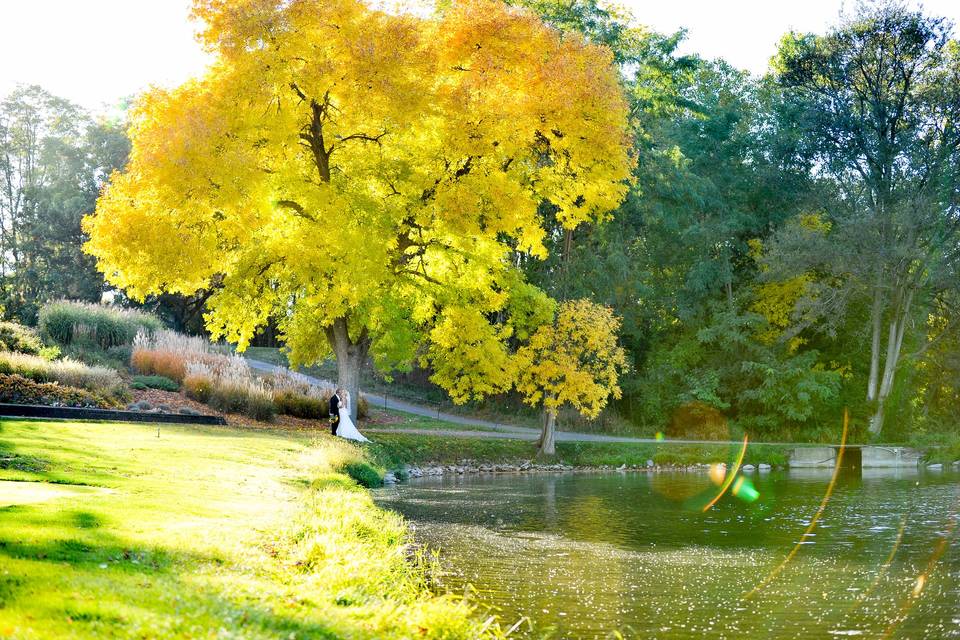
[[585, 555]]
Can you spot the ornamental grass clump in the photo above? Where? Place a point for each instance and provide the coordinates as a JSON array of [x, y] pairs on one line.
[[66, 372], [299, 405], [67, 323], [168, 353], [295, 394], [159, 363], [198, 383], [232, 394]]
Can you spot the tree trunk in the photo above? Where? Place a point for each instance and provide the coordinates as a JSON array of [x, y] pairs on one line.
[[350, 355], [876, 317], [543, 428], [898, 326], [547, 447]]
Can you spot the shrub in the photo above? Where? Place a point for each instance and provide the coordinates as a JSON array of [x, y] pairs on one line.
[[67, 372], [155, 382], [364, 474], [15, 389], [16, 337], [69, 322]]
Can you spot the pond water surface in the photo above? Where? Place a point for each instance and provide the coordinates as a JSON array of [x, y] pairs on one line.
[[592, 555]]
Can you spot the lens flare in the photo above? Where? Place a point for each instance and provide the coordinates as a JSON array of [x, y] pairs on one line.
[[883, 568], [718, 471], [699, 422], [921, 581], [730, 477], [744, 489], [816, 517]]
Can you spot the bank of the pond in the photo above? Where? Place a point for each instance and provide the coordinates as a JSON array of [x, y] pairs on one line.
[[207, 531], [416, 455]]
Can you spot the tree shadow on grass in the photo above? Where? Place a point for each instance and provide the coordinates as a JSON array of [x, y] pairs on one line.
[[11, 460], [42, 548], [77, 539]]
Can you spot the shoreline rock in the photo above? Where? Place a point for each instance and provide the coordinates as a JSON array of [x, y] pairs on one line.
[[471, 467]]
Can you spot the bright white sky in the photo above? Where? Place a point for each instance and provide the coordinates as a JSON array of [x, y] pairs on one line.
[[96, 52]]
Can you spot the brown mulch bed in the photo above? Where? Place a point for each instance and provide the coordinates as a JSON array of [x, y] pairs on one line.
[[175, 400]]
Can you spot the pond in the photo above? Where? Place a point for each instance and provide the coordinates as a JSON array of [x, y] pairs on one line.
[[587, 555]]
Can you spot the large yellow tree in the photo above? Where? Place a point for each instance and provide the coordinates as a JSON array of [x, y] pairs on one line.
[[363, 177]]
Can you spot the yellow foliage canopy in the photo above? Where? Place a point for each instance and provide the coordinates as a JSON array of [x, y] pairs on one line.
[[575, 360], [340, 163]]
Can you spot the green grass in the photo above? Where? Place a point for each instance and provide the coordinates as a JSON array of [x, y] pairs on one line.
[[206, 532], [270, 355], [943, 448], [409, 421], [393, 450]]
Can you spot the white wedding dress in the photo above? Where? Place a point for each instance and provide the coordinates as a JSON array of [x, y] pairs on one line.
[[347, 429]]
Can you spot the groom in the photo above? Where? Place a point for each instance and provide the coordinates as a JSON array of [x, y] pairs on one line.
[[334, 412]]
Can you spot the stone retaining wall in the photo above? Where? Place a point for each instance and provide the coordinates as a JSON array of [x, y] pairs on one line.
[[109, 415]]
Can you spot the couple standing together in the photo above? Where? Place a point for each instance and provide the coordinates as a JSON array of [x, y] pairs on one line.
[[340, 422]]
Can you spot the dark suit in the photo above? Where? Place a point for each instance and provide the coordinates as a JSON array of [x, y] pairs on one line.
[[334, 414]]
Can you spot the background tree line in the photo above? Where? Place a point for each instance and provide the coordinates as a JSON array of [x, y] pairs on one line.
[[788, 246]]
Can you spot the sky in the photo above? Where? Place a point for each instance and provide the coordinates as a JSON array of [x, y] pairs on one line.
[[96, 52]]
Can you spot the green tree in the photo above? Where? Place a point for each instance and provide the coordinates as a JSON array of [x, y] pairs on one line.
[[54, 159], [877, 105], [723, 364]]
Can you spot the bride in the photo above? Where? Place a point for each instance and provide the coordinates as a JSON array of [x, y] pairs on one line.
[[347, 429]]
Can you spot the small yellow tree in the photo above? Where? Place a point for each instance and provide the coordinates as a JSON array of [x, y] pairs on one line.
[[575, 360]]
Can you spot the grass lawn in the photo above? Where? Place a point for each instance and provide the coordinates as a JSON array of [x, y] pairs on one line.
[[396, 449], [271, 355], [204, 532], [396, 420]]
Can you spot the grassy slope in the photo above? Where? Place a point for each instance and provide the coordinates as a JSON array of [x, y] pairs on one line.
[[401, 421], [251, 533]]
